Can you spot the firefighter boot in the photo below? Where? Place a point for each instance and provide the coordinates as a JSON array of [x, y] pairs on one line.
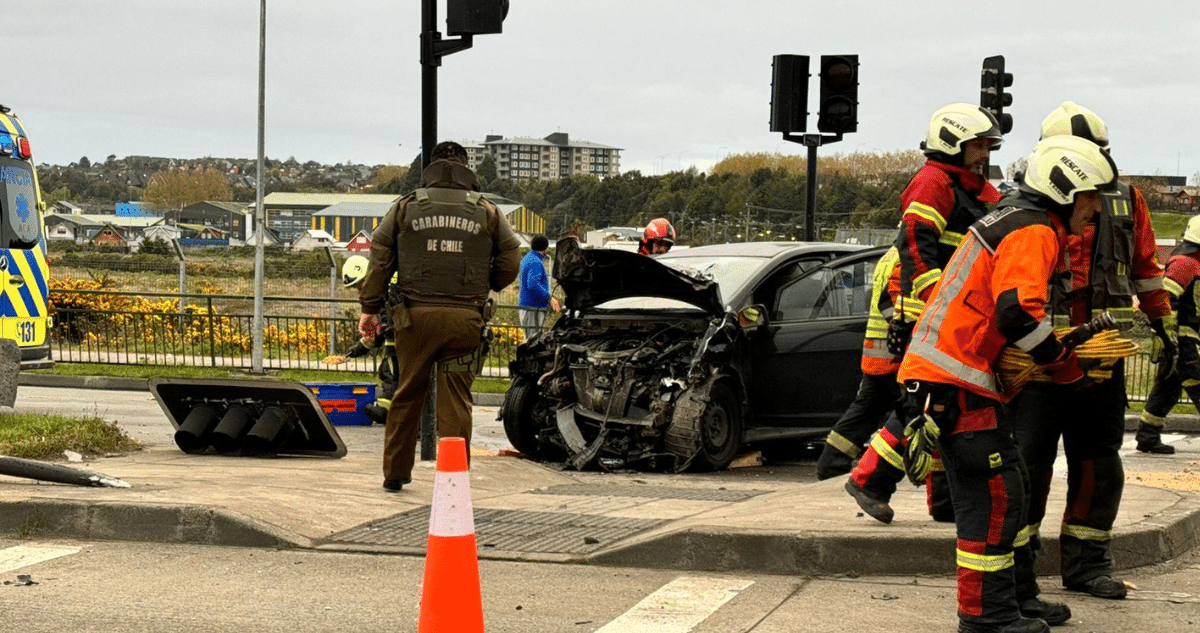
[[1020, 625], [1102, 587], [875, 506], [1149, 440], [1054, 613]]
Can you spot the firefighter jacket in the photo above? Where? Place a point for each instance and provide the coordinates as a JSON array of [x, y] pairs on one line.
[[876, 359], [446, 244], [939, 203], [1111, 262], [1183, 270], [993, 294]]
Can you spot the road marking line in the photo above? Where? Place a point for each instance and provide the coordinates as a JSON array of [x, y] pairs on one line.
[[678, 606], [14, 558]]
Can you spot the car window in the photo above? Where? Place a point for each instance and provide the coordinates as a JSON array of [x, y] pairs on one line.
[[835, 292]]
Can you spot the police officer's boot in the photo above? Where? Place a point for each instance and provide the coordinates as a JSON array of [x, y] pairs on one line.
[[1020, 625], [1149, 440]]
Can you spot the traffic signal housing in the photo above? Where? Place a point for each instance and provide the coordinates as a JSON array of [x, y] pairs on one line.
[[789, 93], [838, 112], [475, 17], [992, 82]]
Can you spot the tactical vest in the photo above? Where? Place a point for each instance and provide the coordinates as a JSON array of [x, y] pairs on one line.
[[1109, 286], [444, 247]]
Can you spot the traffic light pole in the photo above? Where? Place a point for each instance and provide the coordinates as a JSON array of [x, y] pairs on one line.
[[433, 47], [812, 142]]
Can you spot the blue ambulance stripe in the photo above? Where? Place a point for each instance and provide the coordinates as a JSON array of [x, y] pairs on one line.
[[39, 275]]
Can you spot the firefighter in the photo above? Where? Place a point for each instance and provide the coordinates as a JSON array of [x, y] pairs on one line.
[[994, 293], [945, 197], [657, 238], [878, 392], [1110, 263], [448, 247], [354, 271], [1181, 373]]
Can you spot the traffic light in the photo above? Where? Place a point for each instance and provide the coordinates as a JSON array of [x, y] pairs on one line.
[[992, 82], [838, 113], [246, 417], [475, 17], [789, 93]]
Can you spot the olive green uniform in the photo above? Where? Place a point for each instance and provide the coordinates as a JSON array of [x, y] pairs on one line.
[[448, 248]]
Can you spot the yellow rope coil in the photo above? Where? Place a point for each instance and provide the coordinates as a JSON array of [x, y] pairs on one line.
[[1015, 367]]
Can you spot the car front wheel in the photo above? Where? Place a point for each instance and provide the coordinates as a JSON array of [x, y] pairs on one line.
[[705, 433]]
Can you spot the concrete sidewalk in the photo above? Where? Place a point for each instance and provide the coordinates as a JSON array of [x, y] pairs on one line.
[[530, 511]]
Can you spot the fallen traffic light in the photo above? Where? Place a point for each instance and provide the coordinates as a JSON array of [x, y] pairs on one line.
[[246, 417], [838, 113]]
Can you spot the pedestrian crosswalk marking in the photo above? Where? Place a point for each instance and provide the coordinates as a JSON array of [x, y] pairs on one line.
[[678, 606], [14, 558]]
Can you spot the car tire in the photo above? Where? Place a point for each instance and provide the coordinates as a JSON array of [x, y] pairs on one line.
[[519, 412], [707, 436]]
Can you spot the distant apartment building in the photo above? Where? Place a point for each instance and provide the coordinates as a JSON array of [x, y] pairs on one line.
[[550, 158]]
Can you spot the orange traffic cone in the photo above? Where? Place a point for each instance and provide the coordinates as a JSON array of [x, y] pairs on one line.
[[451, 598]]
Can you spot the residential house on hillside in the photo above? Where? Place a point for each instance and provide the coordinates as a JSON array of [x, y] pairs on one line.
[[112, 237]]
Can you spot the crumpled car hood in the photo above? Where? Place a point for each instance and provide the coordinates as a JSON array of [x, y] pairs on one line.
[[590, 277]]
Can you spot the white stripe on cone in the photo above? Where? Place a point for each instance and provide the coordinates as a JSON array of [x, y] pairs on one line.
[[451, 514]]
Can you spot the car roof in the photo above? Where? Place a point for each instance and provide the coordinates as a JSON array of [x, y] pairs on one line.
[[760, 249]]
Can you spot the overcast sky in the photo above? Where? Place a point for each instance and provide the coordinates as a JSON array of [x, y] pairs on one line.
[[672, 83]]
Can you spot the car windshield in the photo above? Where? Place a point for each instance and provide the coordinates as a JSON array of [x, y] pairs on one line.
[[730, 273]]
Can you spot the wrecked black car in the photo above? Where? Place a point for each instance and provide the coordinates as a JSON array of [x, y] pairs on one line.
[[679, 361]]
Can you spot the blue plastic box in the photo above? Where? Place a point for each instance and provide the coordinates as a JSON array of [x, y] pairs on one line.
[[344, 403]]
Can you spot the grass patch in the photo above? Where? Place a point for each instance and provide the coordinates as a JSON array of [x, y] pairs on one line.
[[43, 436]]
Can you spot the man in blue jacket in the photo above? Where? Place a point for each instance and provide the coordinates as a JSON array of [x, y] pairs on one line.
[[535, 297]]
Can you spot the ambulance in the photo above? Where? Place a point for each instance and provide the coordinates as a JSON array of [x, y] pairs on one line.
[[24, 275]]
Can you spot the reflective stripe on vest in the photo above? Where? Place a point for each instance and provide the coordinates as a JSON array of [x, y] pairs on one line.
[[924, 340], [984, 562]]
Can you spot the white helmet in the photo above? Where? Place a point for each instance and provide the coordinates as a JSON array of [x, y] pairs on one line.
[[1192, 232], [354, 270], [957, 123], [1062, 166], [1072, 119]]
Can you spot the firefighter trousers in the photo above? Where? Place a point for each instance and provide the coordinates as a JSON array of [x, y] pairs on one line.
[[881, 467], [989, 487], [877, 396], [1170, 385], [1091, 424]]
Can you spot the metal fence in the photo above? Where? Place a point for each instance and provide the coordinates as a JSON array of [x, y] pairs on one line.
[[213, 330]]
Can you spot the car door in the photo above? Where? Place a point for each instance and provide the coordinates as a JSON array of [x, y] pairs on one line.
[[806, 363]]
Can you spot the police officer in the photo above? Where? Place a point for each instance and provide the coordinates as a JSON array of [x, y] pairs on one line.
[[1176, 375], [993, 294], [945, 197], [1112, 260], [448, 247]]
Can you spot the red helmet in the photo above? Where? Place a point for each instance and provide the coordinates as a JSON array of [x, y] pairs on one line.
[[659, 229]]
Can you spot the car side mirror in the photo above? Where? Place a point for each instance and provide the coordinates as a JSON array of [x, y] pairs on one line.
[[753, 316]]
